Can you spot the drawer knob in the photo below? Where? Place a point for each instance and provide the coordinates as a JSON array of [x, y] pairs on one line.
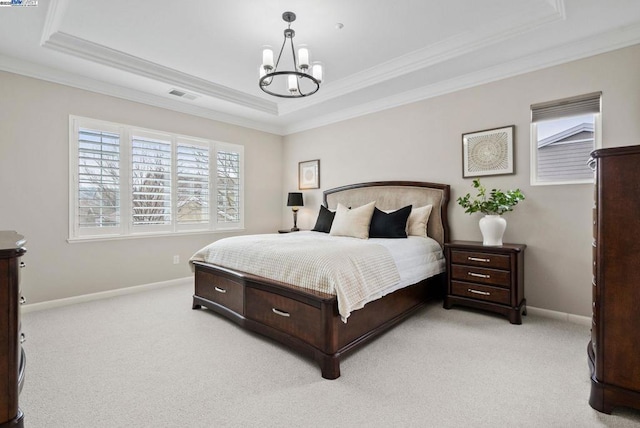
[[281, 313], [23, 338], [478, 275], [23, 264], [478, 259], [484, 293], [22, 300], [220, 290]]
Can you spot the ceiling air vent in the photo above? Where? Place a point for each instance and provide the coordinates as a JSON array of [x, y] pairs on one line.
[[182, 94]]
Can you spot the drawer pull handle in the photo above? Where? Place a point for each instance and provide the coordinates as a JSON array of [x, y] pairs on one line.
[[478, 259], [478, 275], [22, 300], [281, 313], [484, 293], [23, 338], [220, 290]]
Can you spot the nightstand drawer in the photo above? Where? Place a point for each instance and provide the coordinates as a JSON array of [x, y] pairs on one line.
[[501, 278], [481, 292], [475, 258]]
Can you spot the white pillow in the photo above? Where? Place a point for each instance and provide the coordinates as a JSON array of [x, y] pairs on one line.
[[418, 219], [353, 222]]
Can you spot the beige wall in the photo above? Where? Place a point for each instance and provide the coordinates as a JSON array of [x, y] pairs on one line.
[[34, 175], [422, 141]]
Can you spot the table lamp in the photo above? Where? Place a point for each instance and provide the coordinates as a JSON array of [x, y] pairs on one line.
[[295, 202]]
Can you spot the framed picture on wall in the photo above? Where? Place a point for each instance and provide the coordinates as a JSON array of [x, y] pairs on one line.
[[309, 174], [488, 152]]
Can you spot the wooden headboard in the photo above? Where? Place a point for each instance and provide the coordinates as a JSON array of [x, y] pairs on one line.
[[392, 195]]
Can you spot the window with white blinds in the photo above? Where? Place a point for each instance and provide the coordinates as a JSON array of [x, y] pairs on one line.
[[98, 179], [150, 181], [127, 181], [193, 183], [228, 186]]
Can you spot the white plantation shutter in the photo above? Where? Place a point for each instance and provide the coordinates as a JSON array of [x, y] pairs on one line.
[[151, 181], [192, 165], [228, 186], [98, 179], [127, 181]]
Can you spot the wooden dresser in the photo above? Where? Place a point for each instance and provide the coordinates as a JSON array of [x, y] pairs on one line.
[[489, 278], [614, 349], [12, 359]]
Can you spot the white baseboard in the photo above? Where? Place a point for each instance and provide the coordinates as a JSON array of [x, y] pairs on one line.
[[563, 316], [33, 307]]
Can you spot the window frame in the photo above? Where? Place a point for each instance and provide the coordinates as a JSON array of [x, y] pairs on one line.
[[126, 229], [533, 158]]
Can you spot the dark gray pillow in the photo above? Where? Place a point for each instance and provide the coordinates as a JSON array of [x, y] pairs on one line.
[[324, 221], [389, 225]]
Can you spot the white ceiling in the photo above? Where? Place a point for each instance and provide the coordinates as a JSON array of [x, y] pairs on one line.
[[388, 53]]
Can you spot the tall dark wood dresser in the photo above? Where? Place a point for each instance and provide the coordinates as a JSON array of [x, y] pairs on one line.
[[12, 359], [614, 349]]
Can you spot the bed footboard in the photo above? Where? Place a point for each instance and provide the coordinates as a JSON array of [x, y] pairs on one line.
[[302, 319]]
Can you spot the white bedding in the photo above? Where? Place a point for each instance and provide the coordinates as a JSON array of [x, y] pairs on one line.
[[357, 271], [416, 258]]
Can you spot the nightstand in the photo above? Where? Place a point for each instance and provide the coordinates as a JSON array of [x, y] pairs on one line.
[[489, 278]]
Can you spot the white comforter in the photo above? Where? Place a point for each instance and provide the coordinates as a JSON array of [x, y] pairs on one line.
[[356, 271]]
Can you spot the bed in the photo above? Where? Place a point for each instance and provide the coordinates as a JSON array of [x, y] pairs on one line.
[[311, 321]]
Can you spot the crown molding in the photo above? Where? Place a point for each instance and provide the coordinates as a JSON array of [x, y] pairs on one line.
[[53, 19], [584, 48], [97, 53], [36, 71]]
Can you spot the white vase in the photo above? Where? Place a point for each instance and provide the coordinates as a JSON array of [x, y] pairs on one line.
[[492, 228]]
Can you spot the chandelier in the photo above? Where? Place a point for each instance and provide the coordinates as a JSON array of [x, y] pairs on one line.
[[302, 81]]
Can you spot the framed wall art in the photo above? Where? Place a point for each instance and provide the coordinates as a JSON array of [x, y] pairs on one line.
[[309, 174], [488, 152]]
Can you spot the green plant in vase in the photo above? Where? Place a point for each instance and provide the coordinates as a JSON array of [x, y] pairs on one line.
[[493, 204]]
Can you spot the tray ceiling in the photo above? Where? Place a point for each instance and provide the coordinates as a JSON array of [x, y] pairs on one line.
[[385, 54]]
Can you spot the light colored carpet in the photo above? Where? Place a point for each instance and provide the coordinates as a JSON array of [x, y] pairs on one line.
[[149, 360]]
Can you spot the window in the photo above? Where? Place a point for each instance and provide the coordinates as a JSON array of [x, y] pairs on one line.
[[563, 134], [228, 186], [193, 183], [127, 181], [97, 187], [150, 181]]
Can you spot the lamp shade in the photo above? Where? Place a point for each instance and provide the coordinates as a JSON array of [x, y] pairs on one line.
[[295, 200]]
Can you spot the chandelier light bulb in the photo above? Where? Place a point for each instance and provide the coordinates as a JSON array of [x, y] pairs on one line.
[[316, 72], [303, 58], [267, 58], [293, 84]]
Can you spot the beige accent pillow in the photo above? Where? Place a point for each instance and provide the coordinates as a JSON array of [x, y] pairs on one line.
[[417, 222], [353, 222]]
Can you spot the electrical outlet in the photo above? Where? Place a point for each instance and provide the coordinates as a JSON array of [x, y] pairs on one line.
[[176, 259]]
